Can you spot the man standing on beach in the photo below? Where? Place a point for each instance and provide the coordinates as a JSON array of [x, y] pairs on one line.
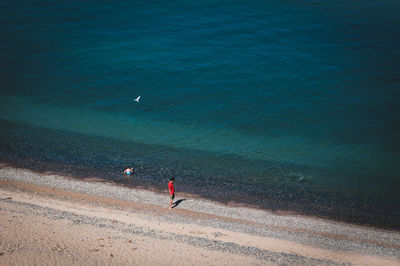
[[171, 191]]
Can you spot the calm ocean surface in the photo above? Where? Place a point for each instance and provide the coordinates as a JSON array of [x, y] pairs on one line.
[[276, 104]]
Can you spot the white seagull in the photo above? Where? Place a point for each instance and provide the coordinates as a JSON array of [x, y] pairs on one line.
[[137, 99]]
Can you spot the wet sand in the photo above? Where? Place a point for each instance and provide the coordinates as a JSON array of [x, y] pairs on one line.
[[50, 219]]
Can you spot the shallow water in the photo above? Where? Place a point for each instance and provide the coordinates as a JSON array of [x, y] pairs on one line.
[[286, 104]]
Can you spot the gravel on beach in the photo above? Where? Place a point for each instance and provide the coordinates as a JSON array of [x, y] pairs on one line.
[[221, 220]]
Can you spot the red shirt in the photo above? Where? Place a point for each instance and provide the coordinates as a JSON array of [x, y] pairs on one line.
[[171, 187]]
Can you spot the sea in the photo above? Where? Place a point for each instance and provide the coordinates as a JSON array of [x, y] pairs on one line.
[[280, 105]]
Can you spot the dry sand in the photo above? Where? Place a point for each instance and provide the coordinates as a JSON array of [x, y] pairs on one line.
[[54, 220]]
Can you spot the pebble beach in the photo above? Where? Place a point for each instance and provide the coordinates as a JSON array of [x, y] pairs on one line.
[[56, 220]]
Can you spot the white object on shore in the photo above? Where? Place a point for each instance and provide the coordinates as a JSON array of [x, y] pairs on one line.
[[137, 99]]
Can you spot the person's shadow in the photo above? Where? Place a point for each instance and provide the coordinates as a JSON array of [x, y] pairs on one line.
[[176, 203]]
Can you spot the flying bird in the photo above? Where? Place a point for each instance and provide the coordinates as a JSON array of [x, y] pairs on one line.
[[137, 99]]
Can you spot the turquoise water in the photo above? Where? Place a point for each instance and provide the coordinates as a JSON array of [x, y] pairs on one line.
[[282, 105]]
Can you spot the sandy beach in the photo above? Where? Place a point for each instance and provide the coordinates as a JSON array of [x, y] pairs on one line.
[[55, 220]]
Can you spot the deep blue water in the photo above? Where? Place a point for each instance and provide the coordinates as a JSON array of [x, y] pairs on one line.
[[277, 104]]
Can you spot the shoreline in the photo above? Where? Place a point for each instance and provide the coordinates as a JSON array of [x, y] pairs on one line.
[[337, 213], [151, 196], [248, 235]]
